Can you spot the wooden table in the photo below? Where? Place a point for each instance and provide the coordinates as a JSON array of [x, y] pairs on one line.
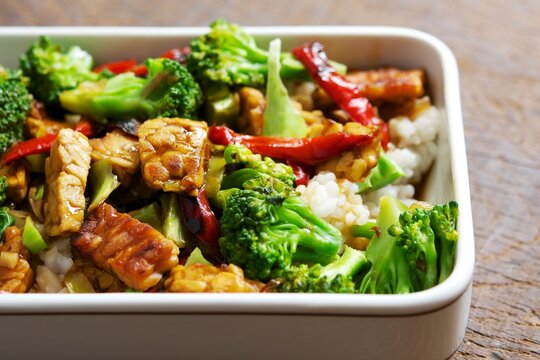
[[497, 44]]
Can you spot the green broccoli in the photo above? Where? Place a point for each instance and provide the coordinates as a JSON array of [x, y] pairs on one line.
[[444, 219], [169, 91], [242, 165], [3, 189], [230, 55], [415, 249], [389, 272], [15, 103], [416, 238], [264, 234], [336, 277], [52, 69]]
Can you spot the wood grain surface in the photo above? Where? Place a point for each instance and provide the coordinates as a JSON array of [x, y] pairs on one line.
[[497, 44]]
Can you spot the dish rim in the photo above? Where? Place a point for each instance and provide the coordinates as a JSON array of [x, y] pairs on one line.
[[321, 304]]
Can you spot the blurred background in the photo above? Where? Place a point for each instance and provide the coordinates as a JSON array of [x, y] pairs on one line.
[[497, 44]]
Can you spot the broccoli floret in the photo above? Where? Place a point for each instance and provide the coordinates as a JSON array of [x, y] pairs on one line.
[[336, 277], [15, 103], [169, 91], [416, 238], [3, 189], [52, 69], [385, 173], [389, 272], [264, 234], [415, 249], [444, 219], [6, 220], [241, 165], [229, 55]]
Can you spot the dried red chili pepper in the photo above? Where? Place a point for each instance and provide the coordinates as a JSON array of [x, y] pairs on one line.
[[306, 151], [41, 144], [300, 172], [347, 94], [117, 67], [200, 219]]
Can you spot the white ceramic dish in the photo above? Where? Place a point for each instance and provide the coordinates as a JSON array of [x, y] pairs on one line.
[[424, 325]]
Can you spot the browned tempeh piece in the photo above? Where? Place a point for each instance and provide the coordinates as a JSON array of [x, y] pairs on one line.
[[210, 278], [134, 251], [121, 150], [174, 154], [15, 273], [390, 84], [66, 172]]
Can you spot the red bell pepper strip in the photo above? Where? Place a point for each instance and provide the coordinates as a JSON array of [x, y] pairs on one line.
[[117, 67], [200, 219], [347, 94], [41, 144], [300, 172], [306, 151]]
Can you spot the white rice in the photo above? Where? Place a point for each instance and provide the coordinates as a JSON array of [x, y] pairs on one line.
[[336, 201], [413, 147]]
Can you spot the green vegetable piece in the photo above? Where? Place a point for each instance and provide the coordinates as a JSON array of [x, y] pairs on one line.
[[31, 237], [390, 272], [52, 69], [366, 230], [103, 183], [3, 189], [168, 91], [77, 283], [149, 214], [222, 106], [416, 238], [444, 222], [172, 227], [36, 163], [229, 55], [6, 220], [280, 116], [264, 232], [336, 277], [196, 257], [15, 103], [214, 175], [385, 173]]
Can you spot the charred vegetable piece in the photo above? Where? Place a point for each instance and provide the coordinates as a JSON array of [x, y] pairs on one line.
[[200, 220], [66, 172], [16, 275], [135, 252], [174, 154], [307, 151], [209, 278]]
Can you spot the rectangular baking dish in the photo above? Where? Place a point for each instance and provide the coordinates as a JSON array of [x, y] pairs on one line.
[[424, 325]]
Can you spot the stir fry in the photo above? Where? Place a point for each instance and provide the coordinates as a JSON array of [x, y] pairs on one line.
[[223, 166]]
